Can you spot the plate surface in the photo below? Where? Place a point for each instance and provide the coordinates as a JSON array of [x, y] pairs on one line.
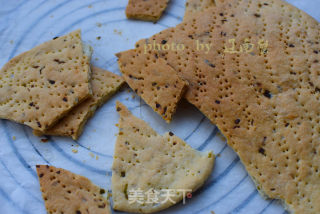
[[24, 24]]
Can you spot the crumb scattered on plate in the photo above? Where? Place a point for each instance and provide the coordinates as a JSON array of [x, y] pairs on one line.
[[119, 32], [91, 154]]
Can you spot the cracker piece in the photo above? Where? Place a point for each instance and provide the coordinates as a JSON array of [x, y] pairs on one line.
[[259, 83], [69, 193], [40, 86], [104, 84], [154, 80], [197, 5], [148, 163], [147, 10]]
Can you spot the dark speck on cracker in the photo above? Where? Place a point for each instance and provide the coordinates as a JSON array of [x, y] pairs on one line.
[[262, 151], [267, 94]]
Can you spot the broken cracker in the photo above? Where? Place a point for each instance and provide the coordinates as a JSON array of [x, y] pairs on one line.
[[40, 86], [259, 84], [150, 163], [154, 80], [104, 84], [69, 193], [148, 10]]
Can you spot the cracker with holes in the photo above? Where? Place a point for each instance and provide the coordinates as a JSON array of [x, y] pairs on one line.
[[104, 84], [147, 163], [40, 86], [154, 80], [69, 193], [253, 70], [147, 10]]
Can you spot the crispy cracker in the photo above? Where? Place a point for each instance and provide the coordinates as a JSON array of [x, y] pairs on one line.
[[69, 193], [148, 10], [155, 81], [104, 85], [40, 86], [148, 162], [265, 101]]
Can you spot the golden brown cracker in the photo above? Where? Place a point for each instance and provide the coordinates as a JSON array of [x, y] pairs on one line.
[[40, 86], [148, 10], [104, 84], [154, 80], [152, 164], [69, 193]]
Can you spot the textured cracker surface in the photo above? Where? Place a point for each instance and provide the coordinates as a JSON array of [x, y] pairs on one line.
[[104, 84], [265, 100], [155, 81], [148, 10], [39, 86], [193, 6], [69, 193], [146, 160]]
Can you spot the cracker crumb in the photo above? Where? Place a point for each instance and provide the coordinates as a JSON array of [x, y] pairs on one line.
[[91, 154], [11, 42], [14, 138], [98, 24], [212, 212], [98, 37], [96, 58], [119, 32], [90, 6], [97, 157], [75, 151]]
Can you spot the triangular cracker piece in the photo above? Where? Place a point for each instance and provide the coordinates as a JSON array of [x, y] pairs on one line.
[[148, 167], [69, 193], [259, 83], [40, 86], [148, 10], [104, 84], [155, 81]]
